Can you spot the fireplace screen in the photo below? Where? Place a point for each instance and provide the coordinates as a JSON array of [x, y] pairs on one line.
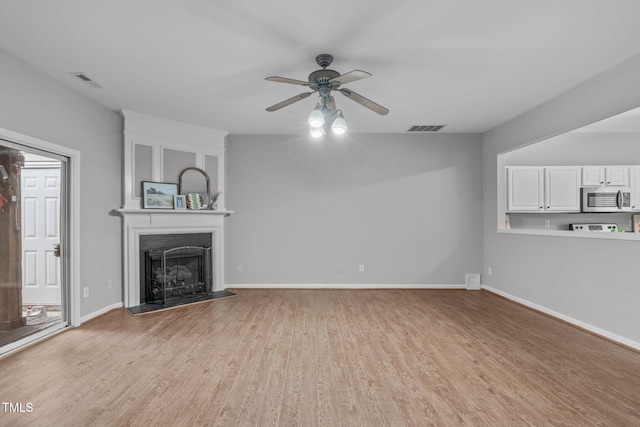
[[177, 273]]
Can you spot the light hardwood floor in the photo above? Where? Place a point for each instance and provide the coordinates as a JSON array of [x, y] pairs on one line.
[[326, 357]]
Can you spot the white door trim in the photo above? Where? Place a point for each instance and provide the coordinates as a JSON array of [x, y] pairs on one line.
[[73, 197]]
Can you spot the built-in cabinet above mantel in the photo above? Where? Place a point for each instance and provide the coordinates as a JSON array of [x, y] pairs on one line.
[[158, 150]]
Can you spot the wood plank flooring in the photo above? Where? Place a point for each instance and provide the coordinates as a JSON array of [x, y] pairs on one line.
[[326, 358]]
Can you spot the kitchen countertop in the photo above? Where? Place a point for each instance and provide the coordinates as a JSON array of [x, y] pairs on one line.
[[579, 234]]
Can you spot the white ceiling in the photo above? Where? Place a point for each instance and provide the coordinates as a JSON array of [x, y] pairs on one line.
[[467, 64]]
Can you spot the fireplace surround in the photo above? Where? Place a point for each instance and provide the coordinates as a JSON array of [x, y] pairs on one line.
[[139, 226], [158, 150]]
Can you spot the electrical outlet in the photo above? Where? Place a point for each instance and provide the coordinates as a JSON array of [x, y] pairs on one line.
[[85, 292], [239, 268], [109, 283], [361, 268], [547, 223], [489, 271], [338, 268]]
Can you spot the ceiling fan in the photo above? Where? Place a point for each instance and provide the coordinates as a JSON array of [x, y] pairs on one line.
[[323, 82]]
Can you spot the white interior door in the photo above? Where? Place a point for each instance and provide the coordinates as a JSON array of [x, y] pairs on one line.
[[41, 278]]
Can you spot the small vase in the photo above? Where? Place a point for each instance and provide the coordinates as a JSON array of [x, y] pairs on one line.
[[214, 206]]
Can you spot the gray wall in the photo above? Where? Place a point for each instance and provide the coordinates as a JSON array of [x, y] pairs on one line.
[[579, 148], [405, 206], [593, 281], [37, 106]]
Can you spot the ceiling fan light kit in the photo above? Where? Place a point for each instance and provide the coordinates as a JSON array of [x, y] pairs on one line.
[[316, 131], [339, 125], [316, 118], [323, 82]]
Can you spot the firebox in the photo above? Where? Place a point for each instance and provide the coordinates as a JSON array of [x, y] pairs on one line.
[[175, 267], [177, 273]]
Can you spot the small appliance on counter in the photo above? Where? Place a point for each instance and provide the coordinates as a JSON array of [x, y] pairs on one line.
[[608, 228]]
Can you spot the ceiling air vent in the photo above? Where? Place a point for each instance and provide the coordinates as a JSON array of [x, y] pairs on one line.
[[426, 128], [85, 79]]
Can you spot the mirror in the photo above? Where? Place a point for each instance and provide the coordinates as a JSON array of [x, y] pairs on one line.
[[195, 180]]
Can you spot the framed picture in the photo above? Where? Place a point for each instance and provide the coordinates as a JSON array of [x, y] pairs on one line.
[[636, 223], [158, 195], [179, 202]]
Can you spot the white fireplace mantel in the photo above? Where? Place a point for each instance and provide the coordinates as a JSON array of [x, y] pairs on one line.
[[156, 150], [138, 222], [152, 212]]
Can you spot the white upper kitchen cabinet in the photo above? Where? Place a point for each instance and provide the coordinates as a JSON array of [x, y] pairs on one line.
[[617, 175], [543, 189], [594, 176], [525, 189], [562, 188]]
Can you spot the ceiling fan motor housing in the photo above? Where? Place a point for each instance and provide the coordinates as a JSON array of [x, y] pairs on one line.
[[322, 77]]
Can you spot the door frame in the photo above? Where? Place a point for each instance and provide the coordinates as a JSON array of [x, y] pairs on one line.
[[72, 195]]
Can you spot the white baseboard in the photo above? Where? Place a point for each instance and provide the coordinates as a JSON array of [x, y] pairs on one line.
[[336, 286], [601, 332], [103, 310]]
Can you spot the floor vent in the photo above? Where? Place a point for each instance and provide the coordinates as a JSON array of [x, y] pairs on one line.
[[426, 128], [472, 282], [85, 79]]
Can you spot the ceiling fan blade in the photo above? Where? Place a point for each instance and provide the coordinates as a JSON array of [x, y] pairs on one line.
[[351, 76], [365, 102], [287, 80], [290, 101]]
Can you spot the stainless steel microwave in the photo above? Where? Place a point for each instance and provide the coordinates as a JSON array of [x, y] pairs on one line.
[[606, 199]]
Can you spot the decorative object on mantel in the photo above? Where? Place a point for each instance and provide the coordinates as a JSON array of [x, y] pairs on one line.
[[213, 200], [194, 201], [195, 180], [158, 195], [180, 202]]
